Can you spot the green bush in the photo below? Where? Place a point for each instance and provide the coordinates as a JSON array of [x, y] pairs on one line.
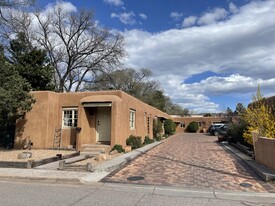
[[118, 148], [134, 141], [157, 127], [157, 137], [147, 140], [169, 127], [236, 131], [193, 127]]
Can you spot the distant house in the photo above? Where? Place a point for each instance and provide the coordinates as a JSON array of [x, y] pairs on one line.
[[75, 119], [203, 122]]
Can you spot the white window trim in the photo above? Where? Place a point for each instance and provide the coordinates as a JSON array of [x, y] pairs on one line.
[[132, 119], [73, 114]]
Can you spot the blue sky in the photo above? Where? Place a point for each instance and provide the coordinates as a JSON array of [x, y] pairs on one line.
[[207, 55]]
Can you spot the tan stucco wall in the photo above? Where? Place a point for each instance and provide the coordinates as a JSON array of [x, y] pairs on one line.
[[205, 122], [142, 110], [265, 152], [40, 123]]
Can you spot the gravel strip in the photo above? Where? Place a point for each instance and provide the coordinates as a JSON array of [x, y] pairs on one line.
[[11, 155]]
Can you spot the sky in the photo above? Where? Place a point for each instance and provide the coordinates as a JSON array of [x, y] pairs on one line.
[[206, 55]]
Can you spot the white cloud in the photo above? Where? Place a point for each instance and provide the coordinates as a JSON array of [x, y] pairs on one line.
[[213, 16], [114, 2], [231, 84], [125, 18], [143, 16], [233, 8], [176, 15], [242, 44], [66, 7], [189, 21]]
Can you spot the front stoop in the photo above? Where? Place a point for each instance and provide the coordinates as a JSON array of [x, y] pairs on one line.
[[95, 149]]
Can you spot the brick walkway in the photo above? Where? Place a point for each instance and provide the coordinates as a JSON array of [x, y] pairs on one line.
[[191, 161]]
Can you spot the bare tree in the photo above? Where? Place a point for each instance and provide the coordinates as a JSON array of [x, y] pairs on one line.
[[133, 82], [78, 49], [7, 4]]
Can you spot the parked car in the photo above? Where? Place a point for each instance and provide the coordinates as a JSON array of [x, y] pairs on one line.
[[214, 126], [217, 129]]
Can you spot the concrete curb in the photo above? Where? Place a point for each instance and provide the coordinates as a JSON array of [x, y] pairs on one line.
[[247, 197], [41, 179], [263, 172]]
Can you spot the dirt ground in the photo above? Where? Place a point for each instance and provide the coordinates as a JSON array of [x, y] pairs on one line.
[[97, 160], [12, 155]]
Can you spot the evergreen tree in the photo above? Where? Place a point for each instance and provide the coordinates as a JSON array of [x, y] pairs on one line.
[[32, 64], [15, 99], [240, 109]]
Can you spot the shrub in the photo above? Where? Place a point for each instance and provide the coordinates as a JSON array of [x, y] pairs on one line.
[[169, 127], [193, 127], [118, 148], [236, 131], [134, 141], [157, 137], [147, 140], [157, 127], [259, 118]]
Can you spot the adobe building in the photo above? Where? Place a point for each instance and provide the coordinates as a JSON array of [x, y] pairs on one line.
[[75, 119], [203, 122]]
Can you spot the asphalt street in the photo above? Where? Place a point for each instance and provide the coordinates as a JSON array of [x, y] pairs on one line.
[[41, 194]]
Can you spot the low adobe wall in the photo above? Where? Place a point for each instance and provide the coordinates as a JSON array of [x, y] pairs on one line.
[[264, 149]]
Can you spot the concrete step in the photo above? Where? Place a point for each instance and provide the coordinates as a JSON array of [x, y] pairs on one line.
[[90, 154], [96, 148], [75, 159], [96, 145], [78, 168], [99, 150]]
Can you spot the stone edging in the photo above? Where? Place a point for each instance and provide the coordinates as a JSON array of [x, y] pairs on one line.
[[31, 163]]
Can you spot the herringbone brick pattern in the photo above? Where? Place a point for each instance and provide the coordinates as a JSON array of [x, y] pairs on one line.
[[191, 161]]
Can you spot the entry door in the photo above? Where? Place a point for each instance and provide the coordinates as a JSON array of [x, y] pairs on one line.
[[103, 124]]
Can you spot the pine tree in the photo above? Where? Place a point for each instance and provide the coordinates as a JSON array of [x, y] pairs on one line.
[[32, 64], [15, 99]]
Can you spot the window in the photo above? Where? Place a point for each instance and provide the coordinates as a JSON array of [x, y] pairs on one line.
[[132, 119], [182, 124], [148, 125], [69, 118], [145, 119]]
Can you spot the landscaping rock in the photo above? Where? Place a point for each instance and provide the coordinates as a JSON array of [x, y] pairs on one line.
[[101, 157], [114, 152], [24, 155]]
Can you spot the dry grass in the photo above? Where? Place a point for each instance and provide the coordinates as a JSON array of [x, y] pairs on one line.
[[11, 155]]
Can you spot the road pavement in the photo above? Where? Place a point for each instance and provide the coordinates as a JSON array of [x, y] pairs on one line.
[[100, 194]]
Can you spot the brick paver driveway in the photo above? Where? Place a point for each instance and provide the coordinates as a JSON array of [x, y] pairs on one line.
[[193, 161]]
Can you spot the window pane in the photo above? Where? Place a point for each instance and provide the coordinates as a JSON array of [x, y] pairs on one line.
[[70, 118], [132, 119]]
